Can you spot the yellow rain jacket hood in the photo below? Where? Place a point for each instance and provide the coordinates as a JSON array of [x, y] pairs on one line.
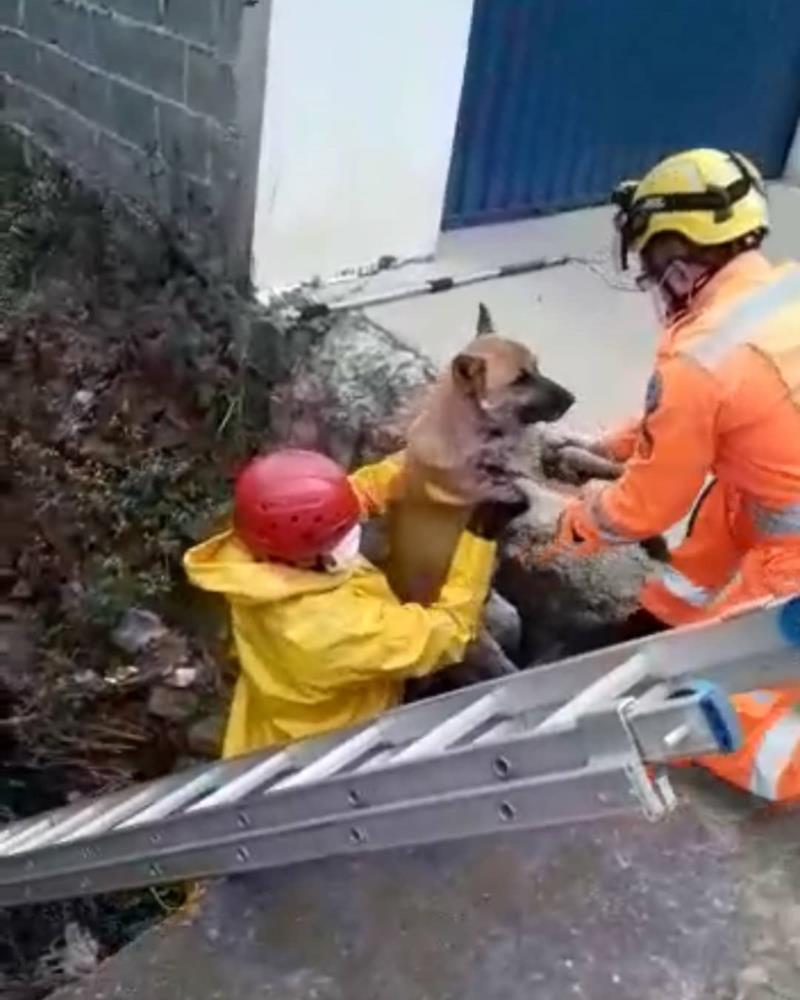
[[321, 651]]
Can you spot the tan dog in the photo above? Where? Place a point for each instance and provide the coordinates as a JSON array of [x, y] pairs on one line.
[[460, 452]]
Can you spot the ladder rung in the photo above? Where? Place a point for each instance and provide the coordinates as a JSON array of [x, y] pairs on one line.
[[405, 724], [379, 759], [62, 819], [503, 729], [100, 815], [179, 798], [131, 807], [453, 729], [335, 760], [615, 684], [16, 831]]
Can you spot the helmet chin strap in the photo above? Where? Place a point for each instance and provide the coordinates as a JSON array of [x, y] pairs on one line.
[[682, 280], [677, 284]]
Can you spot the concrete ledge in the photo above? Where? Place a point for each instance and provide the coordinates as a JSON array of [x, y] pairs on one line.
[[701, 907]]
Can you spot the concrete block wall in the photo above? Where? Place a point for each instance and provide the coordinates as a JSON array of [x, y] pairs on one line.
[[145, 98]]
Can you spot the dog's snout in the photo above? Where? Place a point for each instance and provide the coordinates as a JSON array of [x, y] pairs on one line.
[[549, 402], [562, 400]]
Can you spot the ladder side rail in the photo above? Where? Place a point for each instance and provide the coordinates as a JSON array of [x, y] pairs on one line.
[[527, 805], [747, 673]]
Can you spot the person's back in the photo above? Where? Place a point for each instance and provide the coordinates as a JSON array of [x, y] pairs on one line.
[[743, 330], [322, 651]]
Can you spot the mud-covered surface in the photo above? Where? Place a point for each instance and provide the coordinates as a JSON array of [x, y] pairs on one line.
[[703, 906]]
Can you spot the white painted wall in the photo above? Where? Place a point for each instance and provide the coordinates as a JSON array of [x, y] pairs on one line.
[[791, 171], [361, 105]]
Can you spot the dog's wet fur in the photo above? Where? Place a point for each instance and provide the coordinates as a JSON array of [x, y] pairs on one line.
[[474, 417], [461, 451]]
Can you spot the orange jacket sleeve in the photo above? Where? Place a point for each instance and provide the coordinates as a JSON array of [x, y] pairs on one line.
[[674, 453], [620, 443]]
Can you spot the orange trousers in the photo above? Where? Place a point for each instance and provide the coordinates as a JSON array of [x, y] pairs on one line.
[[768, 763], [720, 565]]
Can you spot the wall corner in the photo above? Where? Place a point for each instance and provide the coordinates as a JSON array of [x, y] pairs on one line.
[[791, 170]]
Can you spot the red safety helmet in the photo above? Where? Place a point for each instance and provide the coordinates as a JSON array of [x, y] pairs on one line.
[[293, 506]]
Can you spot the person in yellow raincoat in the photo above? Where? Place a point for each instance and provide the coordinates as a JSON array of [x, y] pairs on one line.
[[321, 639]]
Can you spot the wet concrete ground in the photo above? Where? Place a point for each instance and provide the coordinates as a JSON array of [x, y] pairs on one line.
[[703, 906]]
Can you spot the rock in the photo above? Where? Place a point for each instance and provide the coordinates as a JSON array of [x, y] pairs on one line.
[[137, 630], [350, 393], [78, 956], [204, 737], [22, 590], [127, 675], [172, 704], [502, 620], [182, 677], [81, 951], [83, 399], [77, 415]]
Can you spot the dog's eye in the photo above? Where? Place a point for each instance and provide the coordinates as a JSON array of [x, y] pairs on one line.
[[524, 378]]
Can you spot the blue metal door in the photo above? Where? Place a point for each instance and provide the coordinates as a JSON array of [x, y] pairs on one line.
[[563, 98]]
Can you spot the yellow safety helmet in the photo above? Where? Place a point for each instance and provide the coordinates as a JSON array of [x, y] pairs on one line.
[[708, 196]]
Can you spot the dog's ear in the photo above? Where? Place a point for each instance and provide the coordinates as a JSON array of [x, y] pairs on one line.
[[469, 375], [485, 322]]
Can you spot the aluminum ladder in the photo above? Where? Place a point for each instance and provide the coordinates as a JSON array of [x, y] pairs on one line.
[[577, 740]]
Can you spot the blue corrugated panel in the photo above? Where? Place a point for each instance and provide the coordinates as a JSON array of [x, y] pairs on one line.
[[563, 98]]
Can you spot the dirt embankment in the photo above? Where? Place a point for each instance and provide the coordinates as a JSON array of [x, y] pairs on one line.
[[129, 394]]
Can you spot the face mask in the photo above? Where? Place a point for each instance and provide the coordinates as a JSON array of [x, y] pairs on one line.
[[345, 552], [674, 289]]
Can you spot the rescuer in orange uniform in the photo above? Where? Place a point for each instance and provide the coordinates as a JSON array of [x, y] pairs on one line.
[[720, 430]]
